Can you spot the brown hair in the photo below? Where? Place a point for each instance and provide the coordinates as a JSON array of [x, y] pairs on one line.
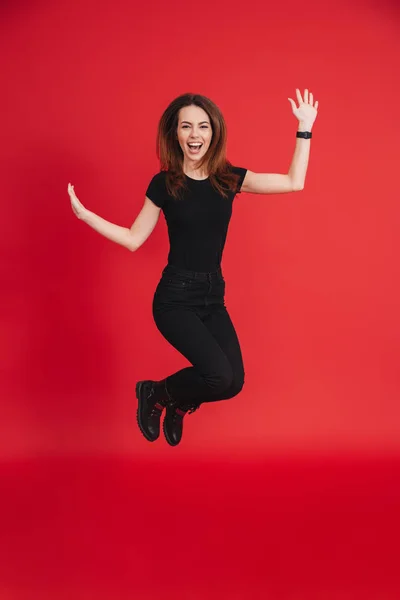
[[170, 153]]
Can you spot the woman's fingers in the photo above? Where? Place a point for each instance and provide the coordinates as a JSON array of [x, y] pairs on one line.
[[72, 194], [71, 189], [76, 205], [308, 97]]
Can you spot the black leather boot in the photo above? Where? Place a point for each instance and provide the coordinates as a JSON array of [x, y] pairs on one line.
[[173, 422], [152, 399]]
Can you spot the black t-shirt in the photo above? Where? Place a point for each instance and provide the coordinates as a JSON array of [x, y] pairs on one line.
[[197, 223]]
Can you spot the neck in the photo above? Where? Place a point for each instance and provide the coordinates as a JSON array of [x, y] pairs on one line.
[[191, 170]]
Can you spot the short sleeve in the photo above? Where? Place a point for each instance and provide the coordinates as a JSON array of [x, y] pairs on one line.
[[242, 174], [156, 190]]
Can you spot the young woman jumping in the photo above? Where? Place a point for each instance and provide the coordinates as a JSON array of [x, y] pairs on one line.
[[195, 189]]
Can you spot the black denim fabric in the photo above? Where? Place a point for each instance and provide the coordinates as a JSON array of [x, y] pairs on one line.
[[189, 310]]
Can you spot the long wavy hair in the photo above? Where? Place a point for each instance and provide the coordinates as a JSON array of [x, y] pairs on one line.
[[170, 153]]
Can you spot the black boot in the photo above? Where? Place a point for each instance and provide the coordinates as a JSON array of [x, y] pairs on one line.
[[173, 422], [152, 399]]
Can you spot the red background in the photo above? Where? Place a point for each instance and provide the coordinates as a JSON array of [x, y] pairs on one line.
[[291, 489]]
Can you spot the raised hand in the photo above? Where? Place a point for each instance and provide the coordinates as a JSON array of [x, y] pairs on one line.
[[306, 112], [76, 205]]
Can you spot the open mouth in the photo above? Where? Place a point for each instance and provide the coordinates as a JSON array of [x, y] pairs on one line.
[[194, 148]]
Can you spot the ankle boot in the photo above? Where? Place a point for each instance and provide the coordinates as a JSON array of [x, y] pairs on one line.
[[173, 422], [152, 399]]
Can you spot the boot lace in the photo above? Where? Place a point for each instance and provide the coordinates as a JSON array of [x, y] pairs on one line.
[[157, 408], [180, 412]]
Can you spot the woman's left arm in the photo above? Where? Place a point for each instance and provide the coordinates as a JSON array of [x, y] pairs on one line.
[[293, 181]]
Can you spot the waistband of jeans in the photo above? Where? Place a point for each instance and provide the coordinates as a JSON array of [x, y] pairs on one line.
[[171, 269]]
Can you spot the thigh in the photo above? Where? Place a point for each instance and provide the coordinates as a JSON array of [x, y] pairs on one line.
[[183, 328], [220, 326]]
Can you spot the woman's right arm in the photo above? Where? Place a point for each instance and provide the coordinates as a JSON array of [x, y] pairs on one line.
[[131, 238]]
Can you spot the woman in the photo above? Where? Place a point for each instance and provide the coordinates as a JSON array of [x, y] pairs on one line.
[[195, 189]]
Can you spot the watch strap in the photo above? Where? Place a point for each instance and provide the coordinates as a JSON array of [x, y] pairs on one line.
[[304, 134]]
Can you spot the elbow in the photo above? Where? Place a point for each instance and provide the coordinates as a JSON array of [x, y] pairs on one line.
[[132, 247], [131, 244], [295, 185]]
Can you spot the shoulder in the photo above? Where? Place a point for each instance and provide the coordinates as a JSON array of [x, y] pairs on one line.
[[241, 174], [159, 177], [238, 170], [156, 190]]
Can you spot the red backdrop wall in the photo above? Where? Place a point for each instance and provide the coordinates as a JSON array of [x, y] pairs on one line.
[[312, 277], [312, 280]]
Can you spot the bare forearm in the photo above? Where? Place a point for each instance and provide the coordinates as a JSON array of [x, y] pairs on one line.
[[115, 233], [298, 168]]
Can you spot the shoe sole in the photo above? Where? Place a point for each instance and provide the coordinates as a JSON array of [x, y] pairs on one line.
[[139, 387]]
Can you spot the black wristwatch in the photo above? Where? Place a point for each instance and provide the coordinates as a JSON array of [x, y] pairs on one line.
[[304, 134]]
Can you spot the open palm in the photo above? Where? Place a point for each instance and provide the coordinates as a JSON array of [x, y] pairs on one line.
[[76, 205], [306, 112]]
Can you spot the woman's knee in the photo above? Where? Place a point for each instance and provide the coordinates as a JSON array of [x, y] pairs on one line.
[[228, 384], [221, 381], [236, 386]]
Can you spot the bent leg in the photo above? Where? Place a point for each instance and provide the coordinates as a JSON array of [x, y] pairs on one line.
[[211, 374], [219, 324]]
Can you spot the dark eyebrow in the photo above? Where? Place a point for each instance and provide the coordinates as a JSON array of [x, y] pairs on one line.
[[199, 123]]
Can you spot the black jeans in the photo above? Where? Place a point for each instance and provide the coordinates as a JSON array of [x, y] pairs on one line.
[[190, 312]]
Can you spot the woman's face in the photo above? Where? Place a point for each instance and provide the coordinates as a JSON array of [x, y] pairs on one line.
[[194, 127]]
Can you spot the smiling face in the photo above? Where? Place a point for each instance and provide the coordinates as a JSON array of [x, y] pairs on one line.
[[194, 135]]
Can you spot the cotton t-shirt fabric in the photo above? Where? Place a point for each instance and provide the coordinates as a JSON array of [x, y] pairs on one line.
[[197, 223]]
